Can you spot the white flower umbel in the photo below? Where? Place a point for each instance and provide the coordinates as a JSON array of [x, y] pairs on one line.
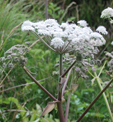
[[107, 13], [102, 30], [57, 43], [82, 23], [67, 36]]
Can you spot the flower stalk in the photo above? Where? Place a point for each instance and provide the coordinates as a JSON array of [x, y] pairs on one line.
[[59, 104], [95, 101], [104, 96]]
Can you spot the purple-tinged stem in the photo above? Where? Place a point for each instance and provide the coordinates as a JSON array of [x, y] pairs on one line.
[[59, 104], [27, 71], [67, 107], [63, 90], [68, 69], [94, 101]]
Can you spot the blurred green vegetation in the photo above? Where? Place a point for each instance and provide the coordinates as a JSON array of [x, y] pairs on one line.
[[23, 103]]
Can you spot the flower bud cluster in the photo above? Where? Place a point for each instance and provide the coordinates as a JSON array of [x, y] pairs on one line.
[[82, 65], [14, 55]]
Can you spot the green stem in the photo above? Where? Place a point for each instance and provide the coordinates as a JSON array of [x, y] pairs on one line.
[[102, 68], [104, 96]]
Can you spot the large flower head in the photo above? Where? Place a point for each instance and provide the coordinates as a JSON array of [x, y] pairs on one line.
[[66, 37], [77, 39]]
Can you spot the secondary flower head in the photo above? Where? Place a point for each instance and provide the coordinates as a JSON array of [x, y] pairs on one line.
[[107, 13], [13, 56], [82, 23], [102, 30], [57, 42], [97, 39]]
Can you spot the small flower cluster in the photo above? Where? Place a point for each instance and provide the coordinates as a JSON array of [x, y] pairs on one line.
[[108, 13], [14, 55], [66, 37]]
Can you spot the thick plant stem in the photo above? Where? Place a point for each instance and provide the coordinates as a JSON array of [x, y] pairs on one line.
[[60, 111], [105, 98], [59, 104], [67, 107]]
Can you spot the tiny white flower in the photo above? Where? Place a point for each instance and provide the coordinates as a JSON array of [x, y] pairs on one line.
[[27, 25], [87, 30], [84, 37], [75, 40], [102, 30], [93, 42], [24, 28], [57, 42], [98, 42], [95, 35], [40, 25], [82, 23], [51, 22], [43, 32], [64, 25], [112, 43], [71, 36], [106, 13]]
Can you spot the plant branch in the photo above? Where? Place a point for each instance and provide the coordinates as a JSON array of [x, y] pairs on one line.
[[26, 70], [63, 90], [102, 68], [43, 41], [20, 86], [6, 76], [68, 69], [35, 42], [94, 100]]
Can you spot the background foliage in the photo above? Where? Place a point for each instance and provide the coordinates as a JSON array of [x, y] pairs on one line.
[[20, 98]]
